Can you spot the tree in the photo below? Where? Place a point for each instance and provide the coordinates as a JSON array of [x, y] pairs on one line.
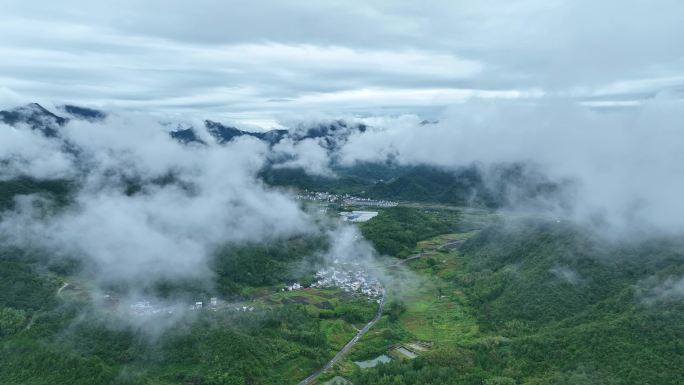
[[396, 309], [11, 321]]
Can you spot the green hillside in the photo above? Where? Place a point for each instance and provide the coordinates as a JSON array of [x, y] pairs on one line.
[[494, 300], [554, 305]]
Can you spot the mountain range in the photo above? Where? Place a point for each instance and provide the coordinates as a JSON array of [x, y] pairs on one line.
[[331, 134], [497, 186]]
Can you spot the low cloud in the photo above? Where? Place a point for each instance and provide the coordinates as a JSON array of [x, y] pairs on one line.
[[147, 207], [307, 154], [622, 167], [26, 152], [215, 60], [669, 289], [566, 274]]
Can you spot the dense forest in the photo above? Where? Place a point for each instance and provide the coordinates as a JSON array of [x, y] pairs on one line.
[[397, 231], [292, 192], [555, 305], [465, 186], [49, 338], [516, 301]]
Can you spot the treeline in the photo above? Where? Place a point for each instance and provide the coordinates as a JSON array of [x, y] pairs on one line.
[[265, 264], [463, 186], [59, 190], [215, 349]]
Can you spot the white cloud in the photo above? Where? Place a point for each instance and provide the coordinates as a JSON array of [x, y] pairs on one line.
[[223, 60], [306, 154], [669, 289], [625, 165], [164, 230], [27, 153]]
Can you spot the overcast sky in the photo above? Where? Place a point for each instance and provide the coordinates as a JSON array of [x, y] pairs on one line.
[[259, 60]]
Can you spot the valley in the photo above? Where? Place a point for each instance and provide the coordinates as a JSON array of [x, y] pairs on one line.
[[381, 274], [341, 192], [458, 295]]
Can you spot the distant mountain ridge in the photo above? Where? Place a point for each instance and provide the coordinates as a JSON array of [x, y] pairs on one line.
[[85, 113], [466, 185], [36, 117], [331, 135]]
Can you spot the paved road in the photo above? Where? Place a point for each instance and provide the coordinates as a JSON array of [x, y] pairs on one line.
[[410, 258], [361, 332], [348, 346], [397, 263]]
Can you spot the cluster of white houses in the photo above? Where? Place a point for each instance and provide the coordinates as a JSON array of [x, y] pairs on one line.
[[294, 286], [344, 199], [356, 281], [319, 196]]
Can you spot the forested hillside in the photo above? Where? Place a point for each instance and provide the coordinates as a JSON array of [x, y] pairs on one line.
[[54, 336], [527, 302], [397, 231], [555, 305], [464, 186]]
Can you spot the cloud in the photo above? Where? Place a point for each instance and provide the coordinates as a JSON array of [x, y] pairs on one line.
[[350, 251], [306, 154], [223, 60], [566, 274], [349, 246], [189, 201], [28, 153], [9, 98], [669, 289], [624, 165]]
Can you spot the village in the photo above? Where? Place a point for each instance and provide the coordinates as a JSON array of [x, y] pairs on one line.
[[146, 307], [344, 199], [350, 281]]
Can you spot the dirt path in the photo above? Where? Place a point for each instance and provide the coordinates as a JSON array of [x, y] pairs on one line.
[[348, 346], [59, 291], [361, 332], [31, 321]]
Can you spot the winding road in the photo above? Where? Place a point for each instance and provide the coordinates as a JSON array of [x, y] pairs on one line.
[[409, 258], [349, 344], [361, 332]]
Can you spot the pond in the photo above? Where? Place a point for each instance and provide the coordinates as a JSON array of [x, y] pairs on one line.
[[382, 359]]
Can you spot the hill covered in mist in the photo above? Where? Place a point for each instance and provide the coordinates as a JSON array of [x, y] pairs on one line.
[[140, 251]]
